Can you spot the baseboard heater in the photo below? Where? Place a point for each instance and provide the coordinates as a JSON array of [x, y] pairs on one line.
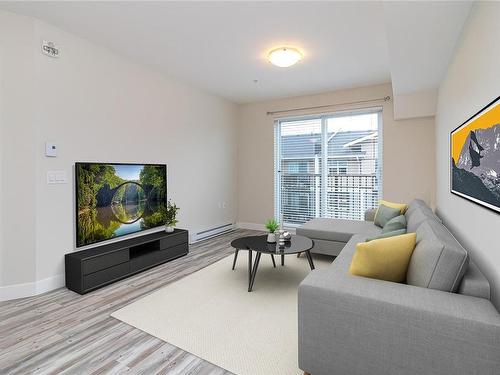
[[212, 232]]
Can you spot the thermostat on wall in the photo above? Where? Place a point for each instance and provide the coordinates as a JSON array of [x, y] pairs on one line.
[[50, 149]]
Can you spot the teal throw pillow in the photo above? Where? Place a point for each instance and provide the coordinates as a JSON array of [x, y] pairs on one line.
[[396, 223], [384, 214], [398, 232]]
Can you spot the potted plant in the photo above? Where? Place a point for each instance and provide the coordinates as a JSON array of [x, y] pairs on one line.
[[169, 216], [272, 225]]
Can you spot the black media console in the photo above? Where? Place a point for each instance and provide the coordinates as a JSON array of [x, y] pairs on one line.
[[91, 269]]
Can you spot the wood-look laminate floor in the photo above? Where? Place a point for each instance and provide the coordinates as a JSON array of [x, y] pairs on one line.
[[62, 332]]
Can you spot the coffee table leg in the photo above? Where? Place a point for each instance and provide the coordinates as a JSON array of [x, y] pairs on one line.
[[309, 258], [254, 272], [282, 259], [235, 257], [274, 263], [249, 267]]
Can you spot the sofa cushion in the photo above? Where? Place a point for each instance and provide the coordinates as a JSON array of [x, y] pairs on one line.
[[438, 261], [384, 259], [398, 232], [337, 229], [343, 261], [384, 214], [417, 213], [474, 283], [417, 216], [327, 247], [418, 203], [397, 223]]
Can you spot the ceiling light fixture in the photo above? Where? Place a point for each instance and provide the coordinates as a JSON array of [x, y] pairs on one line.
[[284, 57]]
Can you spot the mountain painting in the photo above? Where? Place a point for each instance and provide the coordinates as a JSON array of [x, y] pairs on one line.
[[475, 157]]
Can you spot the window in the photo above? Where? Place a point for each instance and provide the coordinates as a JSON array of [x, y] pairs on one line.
[[296, 167], [337, 167], [327, 166], [356, 148]]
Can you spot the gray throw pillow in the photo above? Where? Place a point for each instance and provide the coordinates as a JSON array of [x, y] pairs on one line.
[[397, 223], [384, 214], [398, 232]]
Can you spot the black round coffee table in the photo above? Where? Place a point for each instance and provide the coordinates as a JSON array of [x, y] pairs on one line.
[[297, 244]]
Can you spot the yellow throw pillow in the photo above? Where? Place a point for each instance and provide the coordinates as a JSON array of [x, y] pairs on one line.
[[400, 206], [385, 258]]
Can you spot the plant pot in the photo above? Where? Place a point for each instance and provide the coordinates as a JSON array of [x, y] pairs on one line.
[[169, 229], [271, 238]]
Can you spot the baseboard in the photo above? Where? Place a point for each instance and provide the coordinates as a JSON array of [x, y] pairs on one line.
[[24, 290], [211, 232]]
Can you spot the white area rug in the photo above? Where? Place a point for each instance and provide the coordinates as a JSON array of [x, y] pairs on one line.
[[211, 315]]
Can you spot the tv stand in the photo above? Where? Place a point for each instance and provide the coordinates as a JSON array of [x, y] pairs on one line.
[[90, 269]]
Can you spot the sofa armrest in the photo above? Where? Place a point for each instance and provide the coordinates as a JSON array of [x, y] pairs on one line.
[[370, 214], [356, 325]]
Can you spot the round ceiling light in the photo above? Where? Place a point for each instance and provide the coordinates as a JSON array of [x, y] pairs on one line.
[[284, 56]]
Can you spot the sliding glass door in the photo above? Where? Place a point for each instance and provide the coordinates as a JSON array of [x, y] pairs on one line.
[[327, 166]]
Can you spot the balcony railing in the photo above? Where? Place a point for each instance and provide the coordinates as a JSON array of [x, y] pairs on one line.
[[342, 196]]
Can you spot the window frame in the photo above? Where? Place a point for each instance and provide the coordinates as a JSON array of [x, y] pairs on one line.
[[324, 152]]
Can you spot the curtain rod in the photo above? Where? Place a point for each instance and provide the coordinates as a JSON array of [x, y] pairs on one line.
[[385, 99]]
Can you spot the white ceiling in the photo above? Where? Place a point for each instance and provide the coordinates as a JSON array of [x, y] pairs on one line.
[[221, 46]]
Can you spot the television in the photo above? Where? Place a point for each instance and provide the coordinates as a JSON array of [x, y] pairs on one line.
[[114, 199]]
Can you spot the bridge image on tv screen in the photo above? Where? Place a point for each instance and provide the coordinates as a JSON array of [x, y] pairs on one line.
[[118, 199]]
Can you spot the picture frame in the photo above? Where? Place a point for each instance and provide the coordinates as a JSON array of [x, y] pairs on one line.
[[475, 157]]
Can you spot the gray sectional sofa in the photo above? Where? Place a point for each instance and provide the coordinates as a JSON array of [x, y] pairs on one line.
[[440, 322]]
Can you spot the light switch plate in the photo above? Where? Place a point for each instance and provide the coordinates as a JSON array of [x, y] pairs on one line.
[[57, 177]]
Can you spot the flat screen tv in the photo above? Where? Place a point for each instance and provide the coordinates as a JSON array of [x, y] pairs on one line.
[[114, 200]]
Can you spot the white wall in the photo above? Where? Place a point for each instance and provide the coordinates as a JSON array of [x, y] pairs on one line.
[[408, 151], [97, 106], [472, 81], [16, 153], [415, 104]]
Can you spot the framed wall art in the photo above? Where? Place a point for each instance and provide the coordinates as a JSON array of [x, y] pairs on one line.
[[475, 157]]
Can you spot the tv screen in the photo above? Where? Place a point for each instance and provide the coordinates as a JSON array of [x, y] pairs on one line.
[[114, 200]]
